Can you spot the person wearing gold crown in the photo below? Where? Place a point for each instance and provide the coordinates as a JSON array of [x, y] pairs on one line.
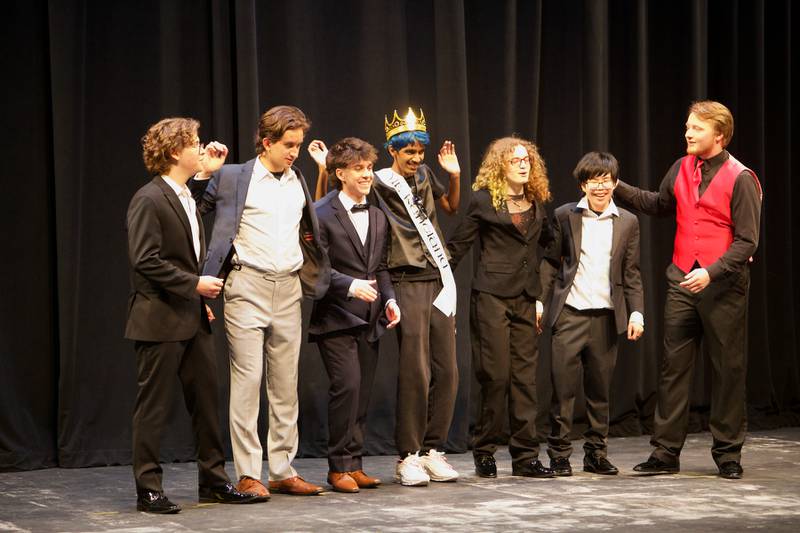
[[419, 267]]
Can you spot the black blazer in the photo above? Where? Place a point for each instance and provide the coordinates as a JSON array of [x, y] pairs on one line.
[[349, 260], [225, 194], [564, 255], [164, 305], [509, 260]]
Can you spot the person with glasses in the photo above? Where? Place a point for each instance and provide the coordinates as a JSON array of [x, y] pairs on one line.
[[595, 294], [168, 319], [716, 201], [506, 215]]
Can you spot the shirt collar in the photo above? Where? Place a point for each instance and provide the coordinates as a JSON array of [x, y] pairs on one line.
[[260, 171], [180, 190], [611, 210], [347, 202]]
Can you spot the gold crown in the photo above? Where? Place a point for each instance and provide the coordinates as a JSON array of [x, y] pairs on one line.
[[409, 123]]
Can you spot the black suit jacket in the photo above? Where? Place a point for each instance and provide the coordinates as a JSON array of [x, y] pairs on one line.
[[509, 261], [225, 194], [563, 257], [164, 305], [351, 260]]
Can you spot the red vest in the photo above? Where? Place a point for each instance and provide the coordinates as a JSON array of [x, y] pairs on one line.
[[705, 228]]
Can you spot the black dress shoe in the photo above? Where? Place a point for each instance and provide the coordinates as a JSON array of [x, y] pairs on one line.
[[599, 465], [656, 466], [560, 466], [485, 466], [150, 501], [534, 468], [731, 470], [226, 493]]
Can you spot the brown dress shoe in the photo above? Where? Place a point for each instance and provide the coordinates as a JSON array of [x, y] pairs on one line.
[[296, 486], [254, 487], [342, 482], [364, 481]]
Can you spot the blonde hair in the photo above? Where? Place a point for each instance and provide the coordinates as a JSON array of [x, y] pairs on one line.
[[492, 173], [717, 114]]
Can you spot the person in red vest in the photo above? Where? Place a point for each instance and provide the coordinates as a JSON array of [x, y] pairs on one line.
[[716, 201]]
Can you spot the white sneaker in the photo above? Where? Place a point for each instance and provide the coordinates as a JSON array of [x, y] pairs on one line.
[[437, 467], [409, 472]]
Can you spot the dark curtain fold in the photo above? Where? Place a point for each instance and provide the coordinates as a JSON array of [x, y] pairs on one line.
[[573, 76]]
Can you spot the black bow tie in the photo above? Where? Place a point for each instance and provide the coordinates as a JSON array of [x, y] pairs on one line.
[[359, 207]]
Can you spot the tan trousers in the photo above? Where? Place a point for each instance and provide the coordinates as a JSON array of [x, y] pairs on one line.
[[263, 324]]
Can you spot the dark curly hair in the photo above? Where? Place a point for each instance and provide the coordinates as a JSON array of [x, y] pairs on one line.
[[346, 152], [164, 138]]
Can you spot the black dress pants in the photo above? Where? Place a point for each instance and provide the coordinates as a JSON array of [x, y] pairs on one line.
[[427, 381], [350, 361], [505, 355], [194, 363], [582, 339], [716, 315]]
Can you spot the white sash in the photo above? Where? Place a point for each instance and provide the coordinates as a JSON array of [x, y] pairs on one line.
[[446, 299]]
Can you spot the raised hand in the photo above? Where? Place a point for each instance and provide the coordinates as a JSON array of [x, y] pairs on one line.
[[448, 158], [213, 157], [318, 152]]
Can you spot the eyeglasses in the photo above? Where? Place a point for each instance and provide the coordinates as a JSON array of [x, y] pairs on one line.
[[515, 161], [605, 184]]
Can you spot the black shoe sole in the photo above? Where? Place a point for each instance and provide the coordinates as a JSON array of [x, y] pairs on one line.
[[563, 473], [486, 475], [601, 472], [143, 509], [537, 476], [656, 472], [215, 499]]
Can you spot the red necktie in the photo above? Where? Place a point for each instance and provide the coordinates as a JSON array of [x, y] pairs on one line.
[[697, 177]]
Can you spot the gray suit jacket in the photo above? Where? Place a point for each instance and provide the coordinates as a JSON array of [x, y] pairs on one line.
[[564, 254], [225, 194]]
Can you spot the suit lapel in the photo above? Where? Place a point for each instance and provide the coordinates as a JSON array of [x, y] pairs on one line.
[[242, 186], [616, 234], [177, 206], [576, 225], [504, 217], [347, 224], [372, 237]]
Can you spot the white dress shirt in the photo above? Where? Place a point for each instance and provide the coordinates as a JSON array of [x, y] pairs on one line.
[[269, 232], [591, 288], [360, 218], [185, 196]]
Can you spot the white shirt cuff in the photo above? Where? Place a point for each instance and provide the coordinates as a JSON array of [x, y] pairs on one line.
[[539, 307], [637, 318]]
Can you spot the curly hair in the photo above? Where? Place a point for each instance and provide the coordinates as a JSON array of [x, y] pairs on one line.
[[492, 173], [346, 152], [164, 138]]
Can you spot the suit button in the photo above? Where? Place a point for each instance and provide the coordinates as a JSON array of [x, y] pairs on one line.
[[220, 260], [231, 239]]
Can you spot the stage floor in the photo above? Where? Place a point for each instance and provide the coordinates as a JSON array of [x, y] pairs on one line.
[[767, 498]]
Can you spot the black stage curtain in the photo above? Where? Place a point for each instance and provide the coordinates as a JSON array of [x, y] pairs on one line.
[[85, 79]]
